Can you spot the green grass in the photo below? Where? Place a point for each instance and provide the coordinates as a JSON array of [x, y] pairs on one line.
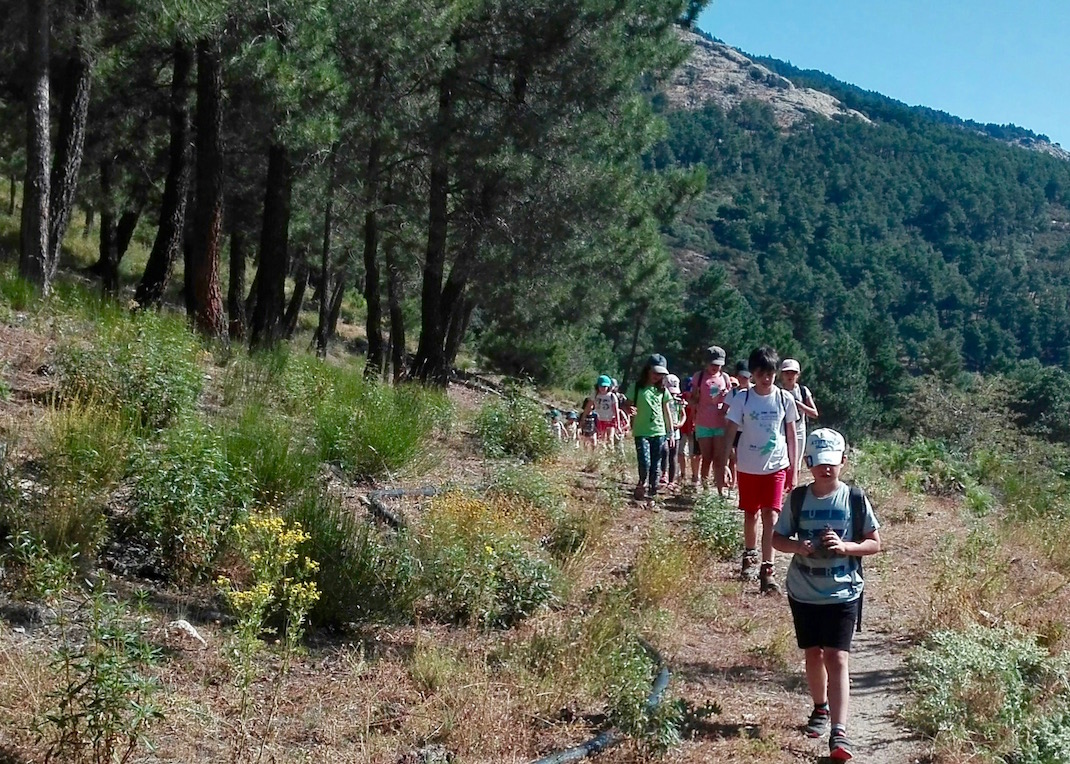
[[146, 366], [275, 452], [365, 428], [717, 526], [515, 426], [186, 497], [16, 293]]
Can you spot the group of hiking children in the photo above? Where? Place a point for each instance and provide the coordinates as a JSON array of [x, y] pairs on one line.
[[751, 435]]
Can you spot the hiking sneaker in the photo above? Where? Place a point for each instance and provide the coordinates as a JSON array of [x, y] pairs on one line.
[[818, 724], [752, 563], [640, 492], [839, 745], [767, 579]]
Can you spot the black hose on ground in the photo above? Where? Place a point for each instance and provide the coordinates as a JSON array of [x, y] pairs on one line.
[[609, 738]]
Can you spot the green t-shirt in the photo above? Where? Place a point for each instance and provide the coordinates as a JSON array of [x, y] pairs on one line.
[[649, 411]]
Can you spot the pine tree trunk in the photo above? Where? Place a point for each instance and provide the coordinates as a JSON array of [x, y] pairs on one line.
[[430, 364], [89, 214], [397, 318], [372, 289], [70, 141], [372, 297], [325, 293], [297, 300], [335, 312], [11, 197], [206, 297], [266, 321], [630, 362], [236, 286], [34, 262], [169, 235], [458, 328], [107, 265]]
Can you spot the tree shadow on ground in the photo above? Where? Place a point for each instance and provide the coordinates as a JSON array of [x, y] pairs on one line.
[[742, 673], [8, 756]]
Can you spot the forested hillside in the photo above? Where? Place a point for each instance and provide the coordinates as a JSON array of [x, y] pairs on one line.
[[914, 238]]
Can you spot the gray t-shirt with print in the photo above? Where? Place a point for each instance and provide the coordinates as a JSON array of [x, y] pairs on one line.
[[824, 580]]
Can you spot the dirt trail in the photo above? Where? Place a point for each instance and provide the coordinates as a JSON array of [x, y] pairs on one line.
[[750, 665], [879, 691]]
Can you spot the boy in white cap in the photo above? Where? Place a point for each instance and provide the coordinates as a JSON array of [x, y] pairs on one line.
[[804, 399], [829, 527]]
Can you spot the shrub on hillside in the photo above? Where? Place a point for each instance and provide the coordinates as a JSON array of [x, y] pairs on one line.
[[145, 366], [717, 526], [373, 430], [565, 530], [363, 574], [186, 498], [994, 692], [1041, 400], [84, 454], [366, 428], [476, 567], [515, 426], [527, 485], [272, 450]]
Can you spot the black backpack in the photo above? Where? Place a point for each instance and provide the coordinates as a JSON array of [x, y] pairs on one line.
[[858, 518]]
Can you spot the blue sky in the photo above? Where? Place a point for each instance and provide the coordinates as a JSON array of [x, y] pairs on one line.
[[988, 60]]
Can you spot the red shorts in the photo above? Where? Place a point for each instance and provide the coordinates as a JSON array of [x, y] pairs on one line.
[[606, 425], [757, 492]]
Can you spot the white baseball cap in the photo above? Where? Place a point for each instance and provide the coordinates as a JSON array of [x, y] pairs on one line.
[[824, 446], [790, 364], [672, 384]]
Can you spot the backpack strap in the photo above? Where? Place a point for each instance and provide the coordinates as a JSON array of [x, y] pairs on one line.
[[858, 519], [798, 496]]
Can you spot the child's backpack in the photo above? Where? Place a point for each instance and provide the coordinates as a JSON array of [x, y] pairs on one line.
[[858, 517], [590, 424]]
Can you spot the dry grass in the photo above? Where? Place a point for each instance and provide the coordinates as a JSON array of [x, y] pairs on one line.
[[508, 696]]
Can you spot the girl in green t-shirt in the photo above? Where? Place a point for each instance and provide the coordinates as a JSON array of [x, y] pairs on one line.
[[650, 405]]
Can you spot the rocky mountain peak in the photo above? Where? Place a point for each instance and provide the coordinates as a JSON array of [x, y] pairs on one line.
[[721, 74]]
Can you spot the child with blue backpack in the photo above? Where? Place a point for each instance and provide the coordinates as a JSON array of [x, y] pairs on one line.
[[829, 527]]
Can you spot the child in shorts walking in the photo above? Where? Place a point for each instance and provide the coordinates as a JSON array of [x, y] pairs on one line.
[[764, 417], [829, 527]]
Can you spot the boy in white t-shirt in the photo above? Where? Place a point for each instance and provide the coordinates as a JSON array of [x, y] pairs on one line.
[[764, 417]]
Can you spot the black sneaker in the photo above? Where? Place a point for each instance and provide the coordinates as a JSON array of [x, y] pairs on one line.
[[819, 722], [839, 746]]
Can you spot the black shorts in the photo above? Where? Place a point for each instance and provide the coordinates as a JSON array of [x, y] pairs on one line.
[[831, 626]]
